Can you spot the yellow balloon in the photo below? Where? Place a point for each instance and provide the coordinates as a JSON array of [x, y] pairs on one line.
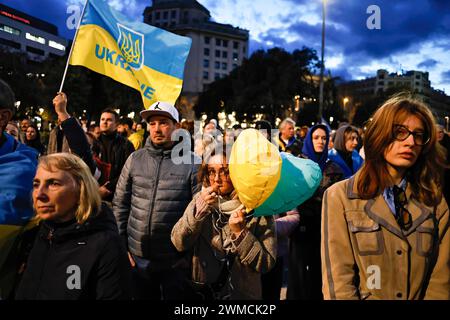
[[255, 168]]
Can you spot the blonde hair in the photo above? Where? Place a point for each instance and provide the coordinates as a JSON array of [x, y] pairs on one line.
[[425, 175], [89, 197]]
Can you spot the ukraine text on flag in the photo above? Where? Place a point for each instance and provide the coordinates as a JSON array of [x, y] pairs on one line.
[[138, 55]]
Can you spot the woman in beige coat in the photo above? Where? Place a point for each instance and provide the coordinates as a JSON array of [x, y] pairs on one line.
[[230, 250], [385, 230]]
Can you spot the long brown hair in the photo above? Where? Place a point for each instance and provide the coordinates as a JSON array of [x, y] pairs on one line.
[[425, 176]]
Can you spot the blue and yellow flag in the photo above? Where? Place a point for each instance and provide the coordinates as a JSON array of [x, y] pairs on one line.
[[136, 54], [17, 169]]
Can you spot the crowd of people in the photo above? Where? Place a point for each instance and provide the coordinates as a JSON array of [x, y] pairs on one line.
[[104, 212]]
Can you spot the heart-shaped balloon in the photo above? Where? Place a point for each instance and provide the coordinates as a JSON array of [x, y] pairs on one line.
[[298, 181], [255, 168]]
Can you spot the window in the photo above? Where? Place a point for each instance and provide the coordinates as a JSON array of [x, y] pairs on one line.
[[417, 76], [165, 24], [225, 43], [207, 40], [217, 53], [165, 15], [205, 75], [224, 66], [235, 56], [224, 54], [173, 14], [216, 76], [158, 15], [235, 65], [206, 63], [417, 83], [243, 49], [206, 51], [9, 29], [217, 42], [35, 51], [10, 43], [235, 45], [217, 65], [56, 45], [186, 14], [53, 56], [381, 83], [34, 38]]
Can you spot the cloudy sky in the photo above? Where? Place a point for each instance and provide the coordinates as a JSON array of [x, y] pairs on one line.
[[414, 34]]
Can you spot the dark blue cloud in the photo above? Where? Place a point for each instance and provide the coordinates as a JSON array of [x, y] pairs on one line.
[[445, 76], [52, 11], [404, 24], [428, 63]]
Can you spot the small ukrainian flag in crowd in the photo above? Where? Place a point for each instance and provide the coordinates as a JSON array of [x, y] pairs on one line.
[[136, 54]]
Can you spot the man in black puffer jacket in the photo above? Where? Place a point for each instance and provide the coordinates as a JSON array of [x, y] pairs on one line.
[[151, 196]]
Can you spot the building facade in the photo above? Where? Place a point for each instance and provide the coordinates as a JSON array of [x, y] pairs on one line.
[[357, 92], [216, 48], [20, 32]]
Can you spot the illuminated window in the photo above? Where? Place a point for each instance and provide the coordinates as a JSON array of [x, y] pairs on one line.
[[34, 38], [9, 29], [56, 45]]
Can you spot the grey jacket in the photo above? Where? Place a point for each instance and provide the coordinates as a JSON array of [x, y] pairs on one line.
[[151, 195]]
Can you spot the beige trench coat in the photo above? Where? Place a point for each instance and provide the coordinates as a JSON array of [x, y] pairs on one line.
[[365, 254]]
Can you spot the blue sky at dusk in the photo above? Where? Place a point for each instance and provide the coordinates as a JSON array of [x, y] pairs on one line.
[[414, 34]]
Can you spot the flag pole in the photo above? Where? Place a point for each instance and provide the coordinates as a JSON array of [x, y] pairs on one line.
[[71, 47]]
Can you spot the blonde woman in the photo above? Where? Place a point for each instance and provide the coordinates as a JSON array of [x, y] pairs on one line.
[[385, 230], [77, 253]]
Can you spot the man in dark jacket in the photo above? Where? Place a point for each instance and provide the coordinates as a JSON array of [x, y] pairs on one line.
[[286, 139], [151, 195], [114, 151], [68, 135]]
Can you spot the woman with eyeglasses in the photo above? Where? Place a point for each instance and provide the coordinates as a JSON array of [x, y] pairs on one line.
[[230, 249], [385, 230]]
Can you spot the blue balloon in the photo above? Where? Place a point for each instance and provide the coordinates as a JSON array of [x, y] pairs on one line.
[[298, 181]]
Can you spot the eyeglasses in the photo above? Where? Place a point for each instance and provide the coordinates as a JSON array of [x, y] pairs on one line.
[[401, 133], [403, 216], [224, 173]]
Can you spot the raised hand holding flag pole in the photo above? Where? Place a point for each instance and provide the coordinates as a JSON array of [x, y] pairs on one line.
[[136, 54]]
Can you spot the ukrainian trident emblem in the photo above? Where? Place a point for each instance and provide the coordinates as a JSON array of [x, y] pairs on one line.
[[131, 44]]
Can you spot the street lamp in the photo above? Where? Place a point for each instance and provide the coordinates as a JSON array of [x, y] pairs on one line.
[[345, 100], [322, 66]]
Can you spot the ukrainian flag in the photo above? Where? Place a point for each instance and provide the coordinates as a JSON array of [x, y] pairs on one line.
[[17, 169], [136, 54]]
